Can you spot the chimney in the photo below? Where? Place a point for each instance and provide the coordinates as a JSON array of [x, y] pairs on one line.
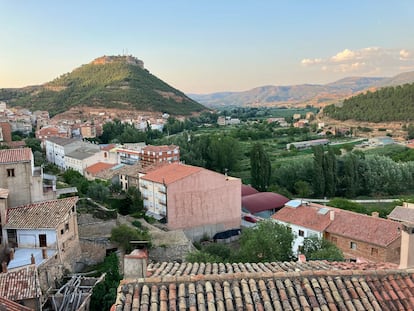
[[135, 264], [407, 246], [4, 267], [301, 258], [331, 215], [32, 260], [44, 253], [375, 214]]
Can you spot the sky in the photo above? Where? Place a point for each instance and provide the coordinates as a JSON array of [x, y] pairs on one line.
[[209, 46]]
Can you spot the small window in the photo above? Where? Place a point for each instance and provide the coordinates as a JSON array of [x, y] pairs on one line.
[[61, 231], [374, 251], [301, 233], [42, 240], [67, 226], [353, 245], [10, 172], [334, 240]]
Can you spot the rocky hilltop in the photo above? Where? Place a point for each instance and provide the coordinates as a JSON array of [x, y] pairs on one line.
[[118, 82]]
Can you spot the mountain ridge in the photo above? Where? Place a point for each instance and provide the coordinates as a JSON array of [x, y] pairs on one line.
[[302, 94]]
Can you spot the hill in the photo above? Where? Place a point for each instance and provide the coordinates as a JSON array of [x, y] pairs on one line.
[[110, 81], [387, 104], [300, 95]]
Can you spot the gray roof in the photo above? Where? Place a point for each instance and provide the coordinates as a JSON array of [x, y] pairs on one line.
[[404, 214], [83, 153], [62, 141]]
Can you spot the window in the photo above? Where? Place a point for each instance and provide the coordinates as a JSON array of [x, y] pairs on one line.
[[301, 233], [10, 172], [67, 226], [334, 240], [42, 240], [353, 245], [374, 251], [61, 231]]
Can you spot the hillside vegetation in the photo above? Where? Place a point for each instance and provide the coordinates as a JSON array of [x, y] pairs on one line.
[[118, 83], [385, 105]]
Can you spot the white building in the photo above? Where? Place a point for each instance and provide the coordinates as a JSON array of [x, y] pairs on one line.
[[304, 219], [58, 147]]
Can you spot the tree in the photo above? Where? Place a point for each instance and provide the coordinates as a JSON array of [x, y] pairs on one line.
[[104, 293], [316, 248], [260, 167], [123, 235], [98, 192], [318, 181], [268, 241]]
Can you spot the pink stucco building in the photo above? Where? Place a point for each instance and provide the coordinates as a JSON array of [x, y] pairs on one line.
[[199, 201]]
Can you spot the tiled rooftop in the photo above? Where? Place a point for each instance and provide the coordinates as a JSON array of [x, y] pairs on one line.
[[47, 214], [163, 148], [307, 216], [8, 305], [98, 167], [62, 141], [323, 287], [345, 223], [19, 284], [15, 155], [170, 173], [364, 228], [404, 214]]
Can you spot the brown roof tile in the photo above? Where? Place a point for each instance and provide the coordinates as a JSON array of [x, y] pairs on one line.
[[20, 284], [6, 304], [307, 216], [98, 167], [15, 155], [168, 174], [363, 288], [47, 214]]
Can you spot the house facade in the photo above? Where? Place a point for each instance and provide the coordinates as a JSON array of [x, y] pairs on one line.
[[199, 201], [358, 236], [24, 181], [155, 155], [304, 220], [58, 147], [37, 231]]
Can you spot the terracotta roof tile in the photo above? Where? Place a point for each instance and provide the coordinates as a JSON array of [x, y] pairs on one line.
[[47, 214], [171, 173], [16, 155], [307, 216], [404, 214], [98, 167], [365, 228], [20, 284], [6, 304]]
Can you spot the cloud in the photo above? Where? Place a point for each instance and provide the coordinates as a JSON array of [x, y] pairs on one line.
[[366, 61]]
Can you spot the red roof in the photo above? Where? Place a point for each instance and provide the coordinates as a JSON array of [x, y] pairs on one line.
[[359, 227], [98, 167], [247, 190], [162, 148], [364, 228], [6, 304], [170, 173], [15, 155], [263, 201], [108, 147], [307, 216]]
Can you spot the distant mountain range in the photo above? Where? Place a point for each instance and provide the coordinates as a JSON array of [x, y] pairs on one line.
[[119, 82], [300, 95]]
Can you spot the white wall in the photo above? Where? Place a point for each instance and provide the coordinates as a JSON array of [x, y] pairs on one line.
[[30, 238]]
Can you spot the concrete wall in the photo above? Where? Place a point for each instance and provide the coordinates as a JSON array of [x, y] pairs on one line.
[[204, 198]]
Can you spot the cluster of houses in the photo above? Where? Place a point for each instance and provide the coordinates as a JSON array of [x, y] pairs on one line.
[[40, 240], [77, 123]]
